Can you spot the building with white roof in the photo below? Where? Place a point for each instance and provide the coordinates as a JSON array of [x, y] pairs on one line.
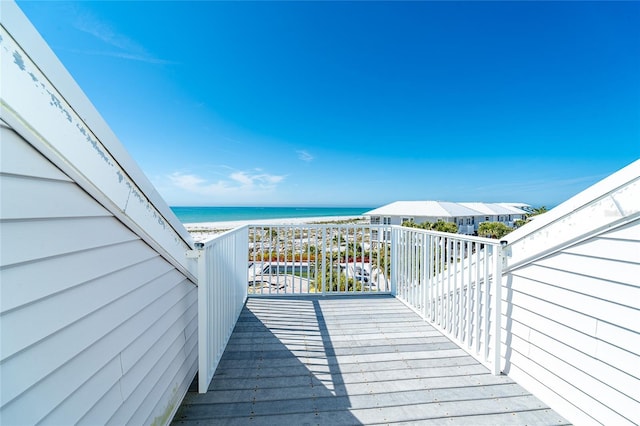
[[467, 216], [521, 206]]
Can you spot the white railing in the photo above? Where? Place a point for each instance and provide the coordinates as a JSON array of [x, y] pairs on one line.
[[454, 282], [451, 280], [222, 292], [319, 259]]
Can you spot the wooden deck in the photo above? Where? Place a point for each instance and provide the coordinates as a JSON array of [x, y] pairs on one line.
[[352, 360]]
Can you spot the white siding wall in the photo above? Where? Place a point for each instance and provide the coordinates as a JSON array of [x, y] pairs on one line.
[[572, 323], [97, 327]]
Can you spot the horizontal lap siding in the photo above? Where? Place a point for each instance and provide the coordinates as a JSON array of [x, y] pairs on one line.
[[96, 326], [574, 328]]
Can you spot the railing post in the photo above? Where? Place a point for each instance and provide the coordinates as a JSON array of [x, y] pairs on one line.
[[203, 298], [323, 284], [394, 261], [497, 318]]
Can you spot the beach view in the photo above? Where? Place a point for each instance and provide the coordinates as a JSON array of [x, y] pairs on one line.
[[204, 222], [319, 212]]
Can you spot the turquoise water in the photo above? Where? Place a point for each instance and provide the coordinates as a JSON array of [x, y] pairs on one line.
[[224, 214]]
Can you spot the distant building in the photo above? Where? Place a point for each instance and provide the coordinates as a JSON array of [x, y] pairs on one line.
[[467, 216]]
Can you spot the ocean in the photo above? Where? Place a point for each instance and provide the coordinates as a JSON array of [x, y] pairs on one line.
[[224, 214]]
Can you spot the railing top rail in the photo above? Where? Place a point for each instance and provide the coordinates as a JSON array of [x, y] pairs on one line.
[[217, 237], [460, 237], [457, 237], [317, 225]]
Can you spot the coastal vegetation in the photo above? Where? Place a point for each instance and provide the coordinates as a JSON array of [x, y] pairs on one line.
[[493, 230], [537, 211], [334, 279], [518, 223], [356, 220], [329, 258]]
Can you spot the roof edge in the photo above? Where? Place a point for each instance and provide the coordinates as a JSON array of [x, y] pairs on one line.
[[46, 106], [606, 204]]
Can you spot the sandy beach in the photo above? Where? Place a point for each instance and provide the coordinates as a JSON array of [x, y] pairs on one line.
[[203, 231]]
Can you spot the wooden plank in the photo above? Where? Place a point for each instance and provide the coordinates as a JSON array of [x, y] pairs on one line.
[[419, 411]]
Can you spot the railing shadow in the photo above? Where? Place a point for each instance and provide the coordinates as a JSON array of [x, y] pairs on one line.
[[279, 367]]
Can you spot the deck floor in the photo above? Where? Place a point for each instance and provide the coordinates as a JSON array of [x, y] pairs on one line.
[[352, 360]]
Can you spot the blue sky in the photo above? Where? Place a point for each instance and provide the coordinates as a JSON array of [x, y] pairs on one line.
[[359, 103]]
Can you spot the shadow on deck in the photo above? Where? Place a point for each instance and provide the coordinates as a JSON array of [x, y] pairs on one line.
[[352, 360]]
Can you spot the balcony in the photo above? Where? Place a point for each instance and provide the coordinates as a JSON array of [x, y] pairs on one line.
[[352, 360], [352, 325]]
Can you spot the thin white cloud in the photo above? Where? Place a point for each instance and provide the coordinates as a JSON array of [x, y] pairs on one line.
[[262, 180], [541, 185], [119, 45], [188, 182], [123, 55], [304, 156], [246, 182]]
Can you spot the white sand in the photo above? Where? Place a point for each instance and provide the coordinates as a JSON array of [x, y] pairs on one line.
[[204, 230]]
